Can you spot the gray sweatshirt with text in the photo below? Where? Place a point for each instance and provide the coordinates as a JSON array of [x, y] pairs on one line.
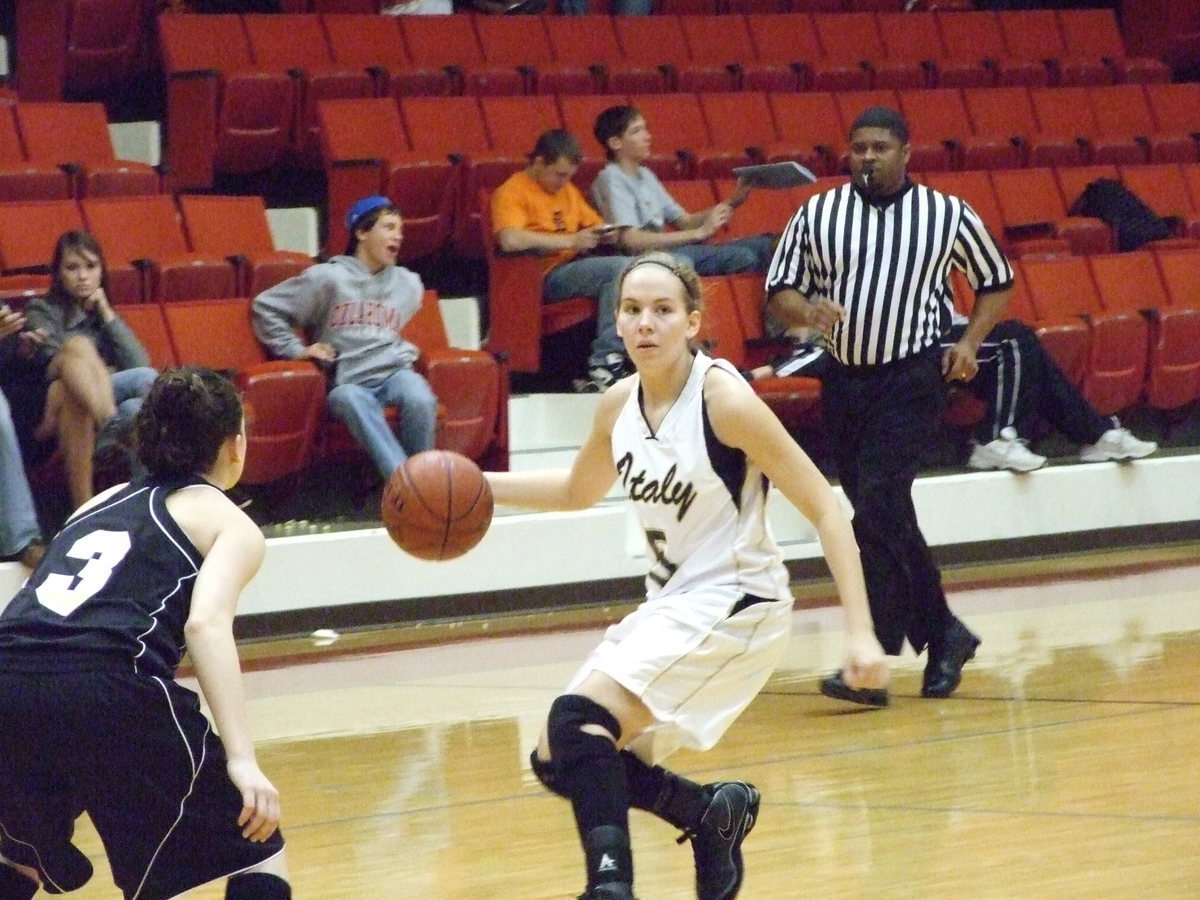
[[342, 304]]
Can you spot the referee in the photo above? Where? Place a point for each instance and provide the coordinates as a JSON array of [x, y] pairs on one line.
[[867, 264]]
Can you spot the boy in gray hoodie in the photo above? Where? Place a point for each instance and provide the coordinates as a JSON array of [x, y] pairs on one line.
[[352, 308]]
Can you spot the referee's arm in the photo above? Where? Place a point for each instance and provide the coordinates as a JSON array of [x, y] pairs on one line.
[[790, 309]]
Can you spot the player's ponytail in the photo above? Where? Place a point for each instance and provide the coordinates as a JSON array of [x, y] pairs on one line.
[[188, 414]]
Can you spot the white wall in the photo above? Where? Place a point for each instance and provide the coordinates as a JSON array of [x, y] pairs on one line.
[[528, 550]]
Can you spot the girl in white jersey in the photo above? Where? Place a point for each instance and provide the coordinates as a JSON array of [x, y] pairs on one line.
[[694, 449]]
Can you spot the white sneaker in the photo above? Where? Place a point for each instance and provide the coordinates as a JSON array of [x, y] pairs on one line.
[[1006, 452], [1116, 443]]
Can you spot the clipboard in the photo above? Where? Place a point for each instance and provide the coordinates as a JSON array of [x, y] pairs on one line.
[[776, 175]]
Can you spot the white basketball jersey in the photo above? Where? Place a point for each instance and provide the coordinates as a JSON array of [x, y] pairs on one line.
[[701, 503]]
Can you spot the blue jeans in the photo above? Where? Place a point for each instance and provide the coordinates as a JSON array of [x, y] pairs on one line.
[[361, 408], [748, 254], [591, 276], [130, 387], [18, 518]]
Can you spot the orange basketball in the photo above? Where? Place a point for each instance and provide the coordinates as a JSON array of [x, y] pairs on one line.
[[437, 505]]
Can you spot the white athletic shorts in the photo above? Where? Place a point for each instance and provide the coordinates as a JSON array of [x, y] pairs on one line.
[[693, 664]]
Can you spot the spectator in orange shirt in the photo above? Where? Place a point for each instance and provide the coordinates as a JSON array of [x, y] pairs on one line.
[[538, 209]]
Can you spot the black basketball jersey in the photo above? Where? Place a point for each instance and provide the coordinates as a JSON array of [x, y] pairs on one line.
[[113, 591]]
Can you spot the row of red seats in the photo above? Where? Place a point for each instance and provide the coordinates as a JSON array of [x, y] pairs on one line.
[[673, 7], [287, 428], [158, 247], [55, 150], [242, 90], [91, 49], [1124, 326], [1029, 210], [432, 155]]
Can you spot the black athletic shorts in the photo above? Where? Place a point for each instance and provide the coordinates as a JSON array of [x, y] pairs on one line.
[[140, 758]]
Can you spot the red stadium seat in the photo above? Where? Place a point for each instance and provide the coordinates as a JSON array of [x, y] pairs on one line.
[[724, 41], [451, 44], [917, 39], [659, 41], [1003, 125], [518, 321], [285, 399], [297, 45], [853, 39], [29, 230], [739, 126], [21, 179], [1033, 207], [224, 114], [1123, 113], [975, 38], [789, 40], [1132, 282], [375, 45], [76, 136], [150, 325], [1093, 35], [938, 125], [810, 131], [1164, 189], [236, 228], [1116, 364], [523, 44], [366, 151], [1034, 36], [589, 43], [146, 234]]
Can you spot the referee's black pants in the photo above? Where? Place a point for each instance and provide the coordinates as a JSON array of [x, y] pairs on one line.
[[879, 420]]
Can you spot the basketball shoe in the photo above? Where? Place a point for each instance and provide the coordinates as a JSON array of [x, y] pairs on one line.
[[717, 841]]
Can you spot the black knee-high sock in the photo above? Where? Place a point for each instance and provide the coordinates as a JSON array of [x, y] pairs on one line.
[[589, 771], [673, 798]]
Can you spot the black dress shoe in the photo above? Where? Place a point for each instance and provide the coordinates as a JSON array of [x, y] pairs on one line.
[[943, 672], [835, 686]]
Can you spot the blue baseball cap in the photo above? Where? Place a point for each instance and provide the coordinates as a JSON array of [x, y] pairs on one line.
[[364, 206]]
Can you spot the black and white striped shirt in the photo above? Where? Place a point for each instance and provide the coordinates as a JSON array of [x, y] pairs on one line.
[[888, 266]]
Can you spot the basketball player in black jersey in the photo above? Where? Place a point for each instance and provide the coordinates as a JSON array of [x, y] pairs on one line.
[[91, 718]]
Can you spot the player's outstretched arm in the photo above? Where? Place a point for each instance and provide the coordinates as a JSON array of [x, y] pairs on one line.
[[584, 484], [741, 419], [233, 549]]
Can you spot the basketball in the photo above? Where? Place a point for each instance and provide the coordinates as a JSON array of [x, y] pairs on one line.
[[437, 505]]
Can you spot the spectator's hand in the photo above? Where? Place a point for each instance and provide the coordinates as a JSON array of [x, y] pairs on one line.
[[716, 217], [10, 322], [587, 239], [29, 341], [823, 315], [320, 351], [959, 363], [97, 304], [740, 192], [865, 665]]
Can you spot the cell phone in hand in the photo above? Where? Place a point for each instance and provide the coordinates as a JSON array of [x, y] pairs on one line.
[[606, 228]]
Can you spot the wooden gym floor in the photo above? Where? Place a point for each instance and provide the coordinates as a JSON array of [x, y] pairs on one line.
[[1064, 767]]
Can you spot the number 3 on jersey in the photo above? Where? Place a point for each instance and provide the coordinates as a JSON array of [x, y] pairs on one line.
[[103, 550]]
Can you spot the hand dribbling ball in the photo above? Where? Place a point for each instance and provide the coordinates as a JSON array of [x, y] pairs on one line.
[[437, 505]]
